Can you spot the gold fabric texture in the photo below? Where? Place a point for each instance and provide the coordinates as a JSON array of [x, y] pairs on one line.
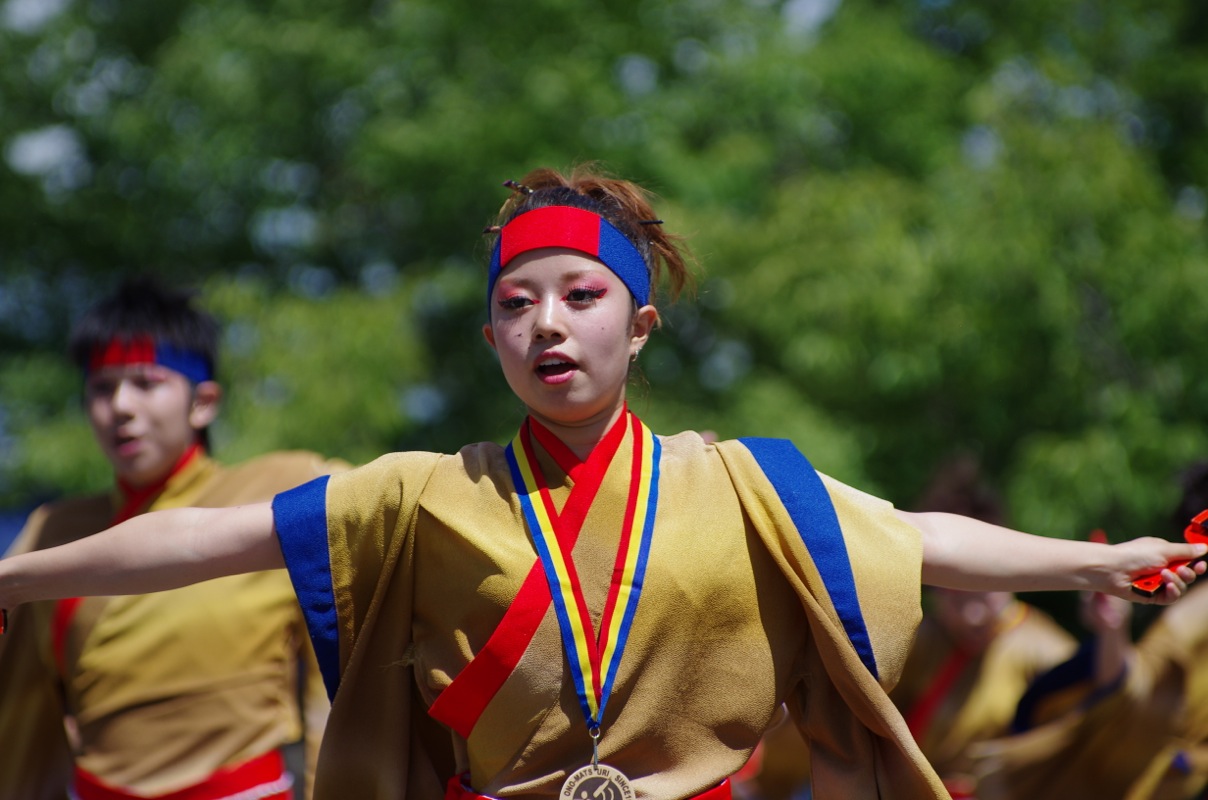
[[427, 551]]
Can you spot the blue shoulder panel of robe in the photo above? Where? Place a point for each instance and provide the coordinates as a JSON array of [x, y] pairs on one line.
[[809, 506], [300, 517]]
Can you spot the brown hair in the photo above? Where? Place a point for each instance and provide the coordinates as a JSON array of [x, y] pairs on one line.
[[623, 203]]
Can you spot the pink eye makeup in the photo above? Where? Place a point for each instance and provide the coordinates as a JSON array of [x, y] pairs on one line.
[[585, 293], [513, 298]]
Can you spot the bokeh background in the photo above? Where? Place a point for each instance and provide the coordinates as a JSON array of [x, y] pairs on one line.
[[924, 226]]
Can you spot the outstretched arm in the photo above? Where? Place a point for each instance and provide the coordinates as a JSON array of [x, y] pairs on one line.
[[964, 553], [148, 553]]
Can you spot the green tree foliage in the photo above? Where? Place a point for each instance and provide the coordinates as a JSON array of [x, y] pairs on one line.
[[924, 226]]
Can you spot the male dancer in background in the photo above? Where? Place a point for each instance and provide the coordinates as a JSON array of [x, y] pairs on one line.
[[192, 691]]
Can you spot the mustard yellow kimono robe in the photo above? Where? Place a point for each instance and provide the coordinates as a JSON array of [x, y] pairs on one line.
[[163, 689], [407, 566]]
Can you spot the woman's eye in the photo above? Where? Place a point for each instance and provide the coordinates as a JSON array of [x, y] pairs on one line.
[[585, 295], [514, 302]]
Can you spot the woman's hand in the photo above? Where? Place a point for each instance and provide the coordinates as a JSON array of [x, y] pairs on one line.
[[1146, 556]]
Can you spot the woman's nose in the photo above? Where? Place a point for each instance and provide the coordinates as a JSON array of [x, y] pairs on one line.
[[551, 319]]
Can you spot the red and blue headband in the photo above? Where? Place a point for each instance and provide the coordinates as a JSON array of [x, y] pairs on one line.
[[145, 350], [576, 229]]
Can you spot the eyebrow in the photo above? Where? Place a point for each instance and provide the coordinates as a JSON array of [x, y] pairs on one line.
[[573, 275]]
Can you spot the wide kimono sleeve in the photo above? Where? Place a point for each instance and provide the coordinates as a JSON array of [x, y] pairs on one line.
[[348, 542], [35, 759], [856, 568]]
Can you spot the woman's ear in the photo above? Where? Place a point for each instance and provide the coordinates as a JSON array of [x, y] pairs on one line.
[[207, 397], [488, 333], [644, 322]]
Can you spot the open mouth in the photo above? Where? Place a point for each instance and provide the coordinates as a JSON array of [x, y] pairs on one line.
[[557, 368], [554, 367]]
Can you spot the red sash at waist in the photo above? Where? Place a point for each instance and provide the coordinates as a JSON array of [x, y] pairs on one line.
[[262, 778], [457, 790]]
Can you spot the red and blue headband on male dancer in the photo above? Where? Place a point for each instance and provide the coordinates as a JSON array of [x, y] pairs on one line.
[[145, 350]]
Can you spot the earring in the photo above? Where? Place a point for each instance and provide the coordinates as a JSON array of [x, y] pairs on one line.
[[635, 355]]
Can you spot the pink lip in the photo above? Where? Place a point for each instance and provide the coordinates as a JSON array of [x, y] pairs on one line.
[[554, 380]]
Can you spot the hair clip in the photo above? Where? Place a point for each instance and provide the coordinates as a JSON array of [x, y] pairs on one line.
[[519, 188], [650, 222]]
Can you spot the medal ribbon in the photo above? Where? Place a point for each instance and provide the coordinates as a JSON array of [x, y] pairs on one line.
[[593, 662]]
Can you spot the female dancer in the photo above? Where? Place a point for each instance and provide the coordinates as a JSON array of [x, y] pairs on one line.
[[594, 611]]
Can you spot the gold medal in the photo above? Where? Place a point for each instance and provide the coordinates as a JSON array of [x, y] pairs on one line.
[[596, 782]]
